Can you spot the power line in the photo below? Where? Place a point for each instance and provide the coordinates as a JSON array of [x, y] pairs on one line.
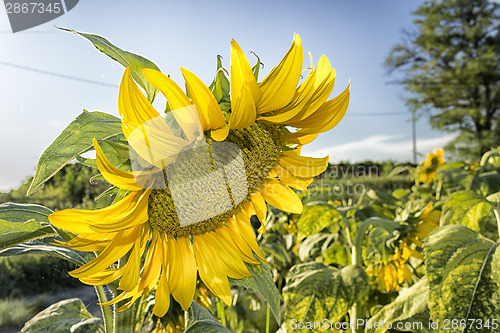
[[379, 114], [63, 76], [74, 78]]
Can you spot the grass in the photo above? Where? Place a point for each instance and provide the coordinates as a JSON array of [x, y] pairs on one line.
[[14, 312]]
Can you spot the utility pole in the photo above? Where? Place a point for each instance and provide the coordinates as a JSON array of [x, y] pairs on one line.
[[414, 135]]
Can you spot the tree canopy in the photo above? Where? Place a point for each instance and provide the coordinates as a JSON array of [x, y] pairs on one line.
[[451, 67]]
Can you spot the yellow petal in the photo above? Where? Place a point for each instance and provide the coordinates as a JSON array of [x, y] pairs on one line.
[[300, 138], [260, 206], [281, 196], [211, 269], [131, 209], [162, 297], [132, 268], [134, 107], [241, 226], [235, 267], [179, 103], [102, 278], [248, 208], [152, 265], [243, 111], [311, 94], [220, 134], [289, 180], [87, 243], [328, 115], [118, 247], [119, 178], [207, 107], [174, 95], [278, 88], [238, 242], [241, 74], [302, 166], [155, 143], [184, 264], [136, 215]]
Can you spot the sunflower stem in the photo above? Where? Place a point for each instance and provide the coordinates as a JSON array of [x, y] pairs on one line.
[[268, 315], [357, 259], [107, 316], [497, 216], [221, 312], [438, 189], [124, 321]]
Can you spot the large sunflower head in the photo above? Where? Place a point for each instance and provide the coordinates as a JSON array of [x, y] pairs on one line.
[[199, 172]]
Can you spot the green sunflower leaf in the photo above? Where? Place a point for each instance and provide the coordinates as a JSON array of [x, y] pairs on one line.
[[463, 270], [486, 183], [201, 321], [315, 218], [135, 61], [64, 316], [76, 139], [21, 223], [315, 291], [15, 212], [409, 307], [263, 283], [466, 208], [70, 255], [336, 254]]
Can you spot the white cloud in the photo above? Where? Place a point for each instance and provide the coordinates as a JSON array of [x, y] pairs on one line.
[[381, 147]]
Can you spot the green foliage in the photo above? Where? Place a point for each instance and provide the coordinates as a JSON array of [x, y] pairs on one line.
[[14, 312], [316, 218], [136, 62], [75, 140], [45, 247], [351, 189], [17, 224], [69, 188], [26, 275], [410, 306], [464, 275], [262, 282], [467, 208], [450, 65], [315, 291], [201, 321], [65, 316]]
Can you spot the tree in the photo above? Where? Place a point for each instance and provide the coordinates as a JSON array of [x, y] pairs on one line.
[[451, 67]]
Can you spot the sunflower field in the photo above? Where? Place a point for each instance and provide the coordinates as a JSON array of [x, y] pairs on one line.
[[259, 238]]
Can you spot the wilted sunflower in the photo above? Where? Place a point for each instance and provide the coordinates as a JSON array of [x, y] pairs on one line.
[[392, 274], [429, 220], [430, 165], [199, 174]]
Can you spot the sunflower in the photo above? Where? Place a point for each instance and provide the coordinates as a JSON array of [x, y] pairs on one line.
[[429, 220], [430, 165], [199, 174], [392, 274]]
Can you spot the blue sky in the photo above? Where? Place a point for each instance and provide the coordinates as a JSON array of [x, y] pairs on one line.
[[356, 36]]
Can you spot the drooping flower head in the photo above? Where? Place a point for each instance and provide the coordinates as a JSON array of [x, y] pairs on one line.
[[390, 275], [199, 173], [429, 167]]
